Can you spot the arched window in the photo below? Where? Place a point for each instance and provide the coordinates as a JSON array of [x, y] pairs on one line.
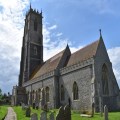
[[35, 25], [36, 95], [105, 80], [35, 50], [62, 93], [33, 96], [75, 91], [39, 94], [47, 94]]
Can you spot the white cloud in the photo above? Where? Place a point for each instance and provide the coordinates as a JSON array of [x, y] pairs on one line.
[[52, 27], [114, 54], [59, 34], [11, 31]]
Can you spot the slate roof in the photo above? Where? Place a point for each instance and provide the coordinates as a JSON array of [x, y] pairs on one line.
[[48, 65], [84, 53]]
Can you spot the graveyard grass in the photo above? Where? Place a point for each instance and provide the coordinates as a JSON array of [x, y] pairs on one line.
[[75, 115], [3, 111]]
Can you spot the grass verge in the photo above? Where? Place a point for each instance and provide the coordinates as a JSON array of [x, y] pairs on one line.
[[3, 111], [75, 115]]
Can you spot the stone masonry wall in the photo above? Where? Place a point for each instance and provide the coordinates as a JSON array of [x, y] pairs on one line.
[[43, 84], [83, 79]]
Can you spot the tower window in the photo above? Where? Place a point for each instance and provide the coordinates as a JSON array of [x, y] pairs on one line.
[[35, 25], [35, 50], [75, 91]]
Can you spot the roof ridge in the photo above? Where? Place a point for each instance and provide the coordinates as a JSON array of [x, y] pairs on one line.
[[87, 46]]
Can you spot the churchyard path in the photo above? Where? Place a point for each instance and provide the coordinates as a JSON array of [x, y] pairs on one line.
[[11, 115]]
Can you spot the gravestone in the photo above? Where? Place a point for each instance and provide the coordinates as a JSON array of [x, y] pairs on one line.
[[34, 116], [45, 108], [51, 116], [28, 112], [60, 115], [93, 105], [105, 113], [23, 106], [33, 106], [67, 113], [43, 116], [37, 105]]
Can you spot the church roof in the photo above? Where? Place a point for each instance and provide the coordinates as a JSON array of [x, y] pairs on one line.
[[48, 65], [84, 53], [79, 56]]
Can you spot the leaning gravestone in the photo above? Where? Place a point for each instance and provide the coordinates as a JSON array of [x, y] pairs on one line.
[[43, 116], [105, 113], [51, 116], [67, 112], [34, 116], [28, 112], [60, 115]]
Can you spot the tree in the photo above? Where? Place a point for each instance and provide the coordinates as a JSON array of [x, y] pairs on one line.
[[0, 93]]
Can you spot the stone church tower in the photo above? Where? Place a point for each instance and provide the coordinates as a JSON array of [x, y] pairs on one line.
[[32, 46]]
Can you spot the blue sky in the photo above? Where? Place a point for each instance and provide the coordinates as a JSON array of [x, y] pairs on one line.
[[76, 22]]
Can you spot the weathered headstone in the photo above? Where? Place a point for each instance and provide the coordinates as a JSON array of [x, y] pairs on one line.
[[105, 113], [28, 112], [34, 116], [37, 105], [33, 106], [51, 116], [23, 106], [45, 108], [67, 113], [60, 115], [93, 105], [43, 116]]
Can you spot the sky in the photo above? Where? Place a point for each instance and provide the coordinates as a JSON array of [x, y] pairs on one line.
[[72, 22]]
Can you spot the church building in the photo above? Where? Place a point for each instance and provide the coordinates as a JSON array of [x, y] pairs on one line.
[[80, 79]]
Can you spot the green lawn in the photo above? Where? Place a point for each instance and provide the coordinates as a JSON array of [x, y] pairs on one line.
[[3, 111], [75, 116]]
